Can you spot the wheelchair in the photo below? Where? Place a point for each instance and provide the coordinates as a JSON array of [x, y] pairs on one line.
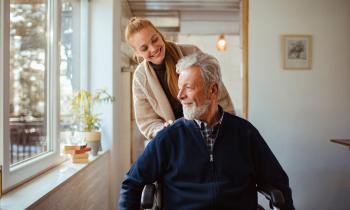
[[150, 197]]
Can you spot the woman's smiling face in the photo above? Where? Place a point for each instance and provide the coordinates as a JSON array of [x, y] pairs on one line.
[[148, 44]]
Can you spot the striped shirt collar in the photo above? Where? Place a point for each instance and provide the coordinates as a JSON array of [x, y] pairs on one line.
[[221, 112]]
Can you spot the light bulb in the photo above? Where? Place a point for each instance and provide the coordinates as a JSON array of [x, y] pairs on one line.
[[221, 44]]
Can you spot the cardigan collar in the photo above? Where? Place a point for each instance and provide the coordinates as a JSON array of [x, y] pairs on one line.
[[162, 103], [192, 127]]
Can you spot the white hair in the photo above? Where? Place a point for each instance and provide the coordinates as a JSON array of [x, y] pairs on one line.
[[209, 66]]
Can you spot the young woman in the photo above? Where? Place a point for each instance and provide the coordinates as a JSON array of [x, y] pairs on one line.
[[155, 80]]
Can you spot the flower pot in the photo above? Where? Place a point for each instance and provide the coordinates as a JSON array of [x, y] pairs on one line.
[[93, 140]]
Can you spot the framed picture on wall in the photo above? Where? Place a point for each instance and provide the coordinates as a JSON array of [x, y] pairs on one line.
[[296, 51]]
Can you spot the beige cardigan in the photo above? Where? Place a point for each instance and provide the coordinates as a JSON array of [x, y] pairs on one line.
[[151, 105]]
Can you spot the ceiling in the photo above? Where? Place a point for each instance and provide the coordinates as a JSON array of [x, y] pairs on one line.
[[190, 16]]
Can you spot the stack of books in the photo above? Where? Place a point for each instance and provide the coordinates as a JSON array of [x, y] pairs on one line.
[[79, 154]]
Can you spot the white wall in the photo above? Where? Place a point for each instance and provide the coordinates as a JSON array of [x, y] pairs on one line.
[[84, 190], [105, 63], [298, 112], [122, 83], [230, 62], [102, 76]]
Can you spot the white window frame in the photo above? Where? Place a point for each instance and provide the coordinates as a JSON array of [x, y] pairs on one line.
[[15, 175], [2, 65], [84, 45]]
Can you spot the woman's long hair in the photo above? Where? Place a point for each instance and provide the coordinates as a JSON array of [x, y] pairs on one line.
[[135, 25]]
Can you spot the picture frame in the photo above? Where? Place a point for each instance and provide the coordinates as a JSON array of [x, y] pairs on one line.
[[296, 51]]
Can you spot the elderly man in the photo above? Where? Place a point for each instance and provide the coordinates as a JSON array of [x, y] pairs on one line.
[[209, 159]]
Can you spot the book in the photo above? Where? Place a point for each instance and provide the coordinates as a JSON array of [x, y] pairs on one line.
[[78, 151], [68, 148], [80, 156], [84, 160]]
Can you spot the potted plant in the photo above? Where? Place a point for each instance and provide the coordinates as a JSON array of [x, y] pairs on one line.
[[88, 122]]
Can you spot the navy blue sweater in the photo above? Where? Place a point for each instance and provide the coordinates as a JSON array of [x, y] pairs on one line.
[[179, 159]]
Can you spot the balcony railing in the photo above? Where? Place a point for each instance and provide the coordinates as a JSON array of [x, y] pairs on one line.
[[28, 139]]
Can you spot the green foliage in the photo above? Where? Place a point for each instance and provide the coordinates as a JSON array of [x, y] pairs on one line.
[[82, 105]]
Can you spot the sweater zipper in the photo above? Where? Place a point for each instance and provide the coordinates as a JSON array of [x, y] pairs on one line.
[[211, 153], [212, 164], [211, 159]]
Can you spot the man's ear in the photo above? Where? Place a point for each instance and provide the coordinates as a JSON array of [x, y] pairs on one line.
[[214, 89]]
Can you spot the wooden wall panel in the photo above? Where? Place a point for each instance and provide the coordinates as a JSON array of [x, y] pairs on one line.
[[88, 189]]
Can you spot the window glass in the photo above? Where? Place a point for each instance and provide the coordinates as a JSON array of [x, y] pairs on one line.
[[47, 62], [28, 70], [70, 64]]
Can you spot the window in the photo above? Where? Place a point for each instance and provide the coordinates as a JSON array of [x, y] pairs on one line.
[[43, 64], [73, 60], [27, 90]]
